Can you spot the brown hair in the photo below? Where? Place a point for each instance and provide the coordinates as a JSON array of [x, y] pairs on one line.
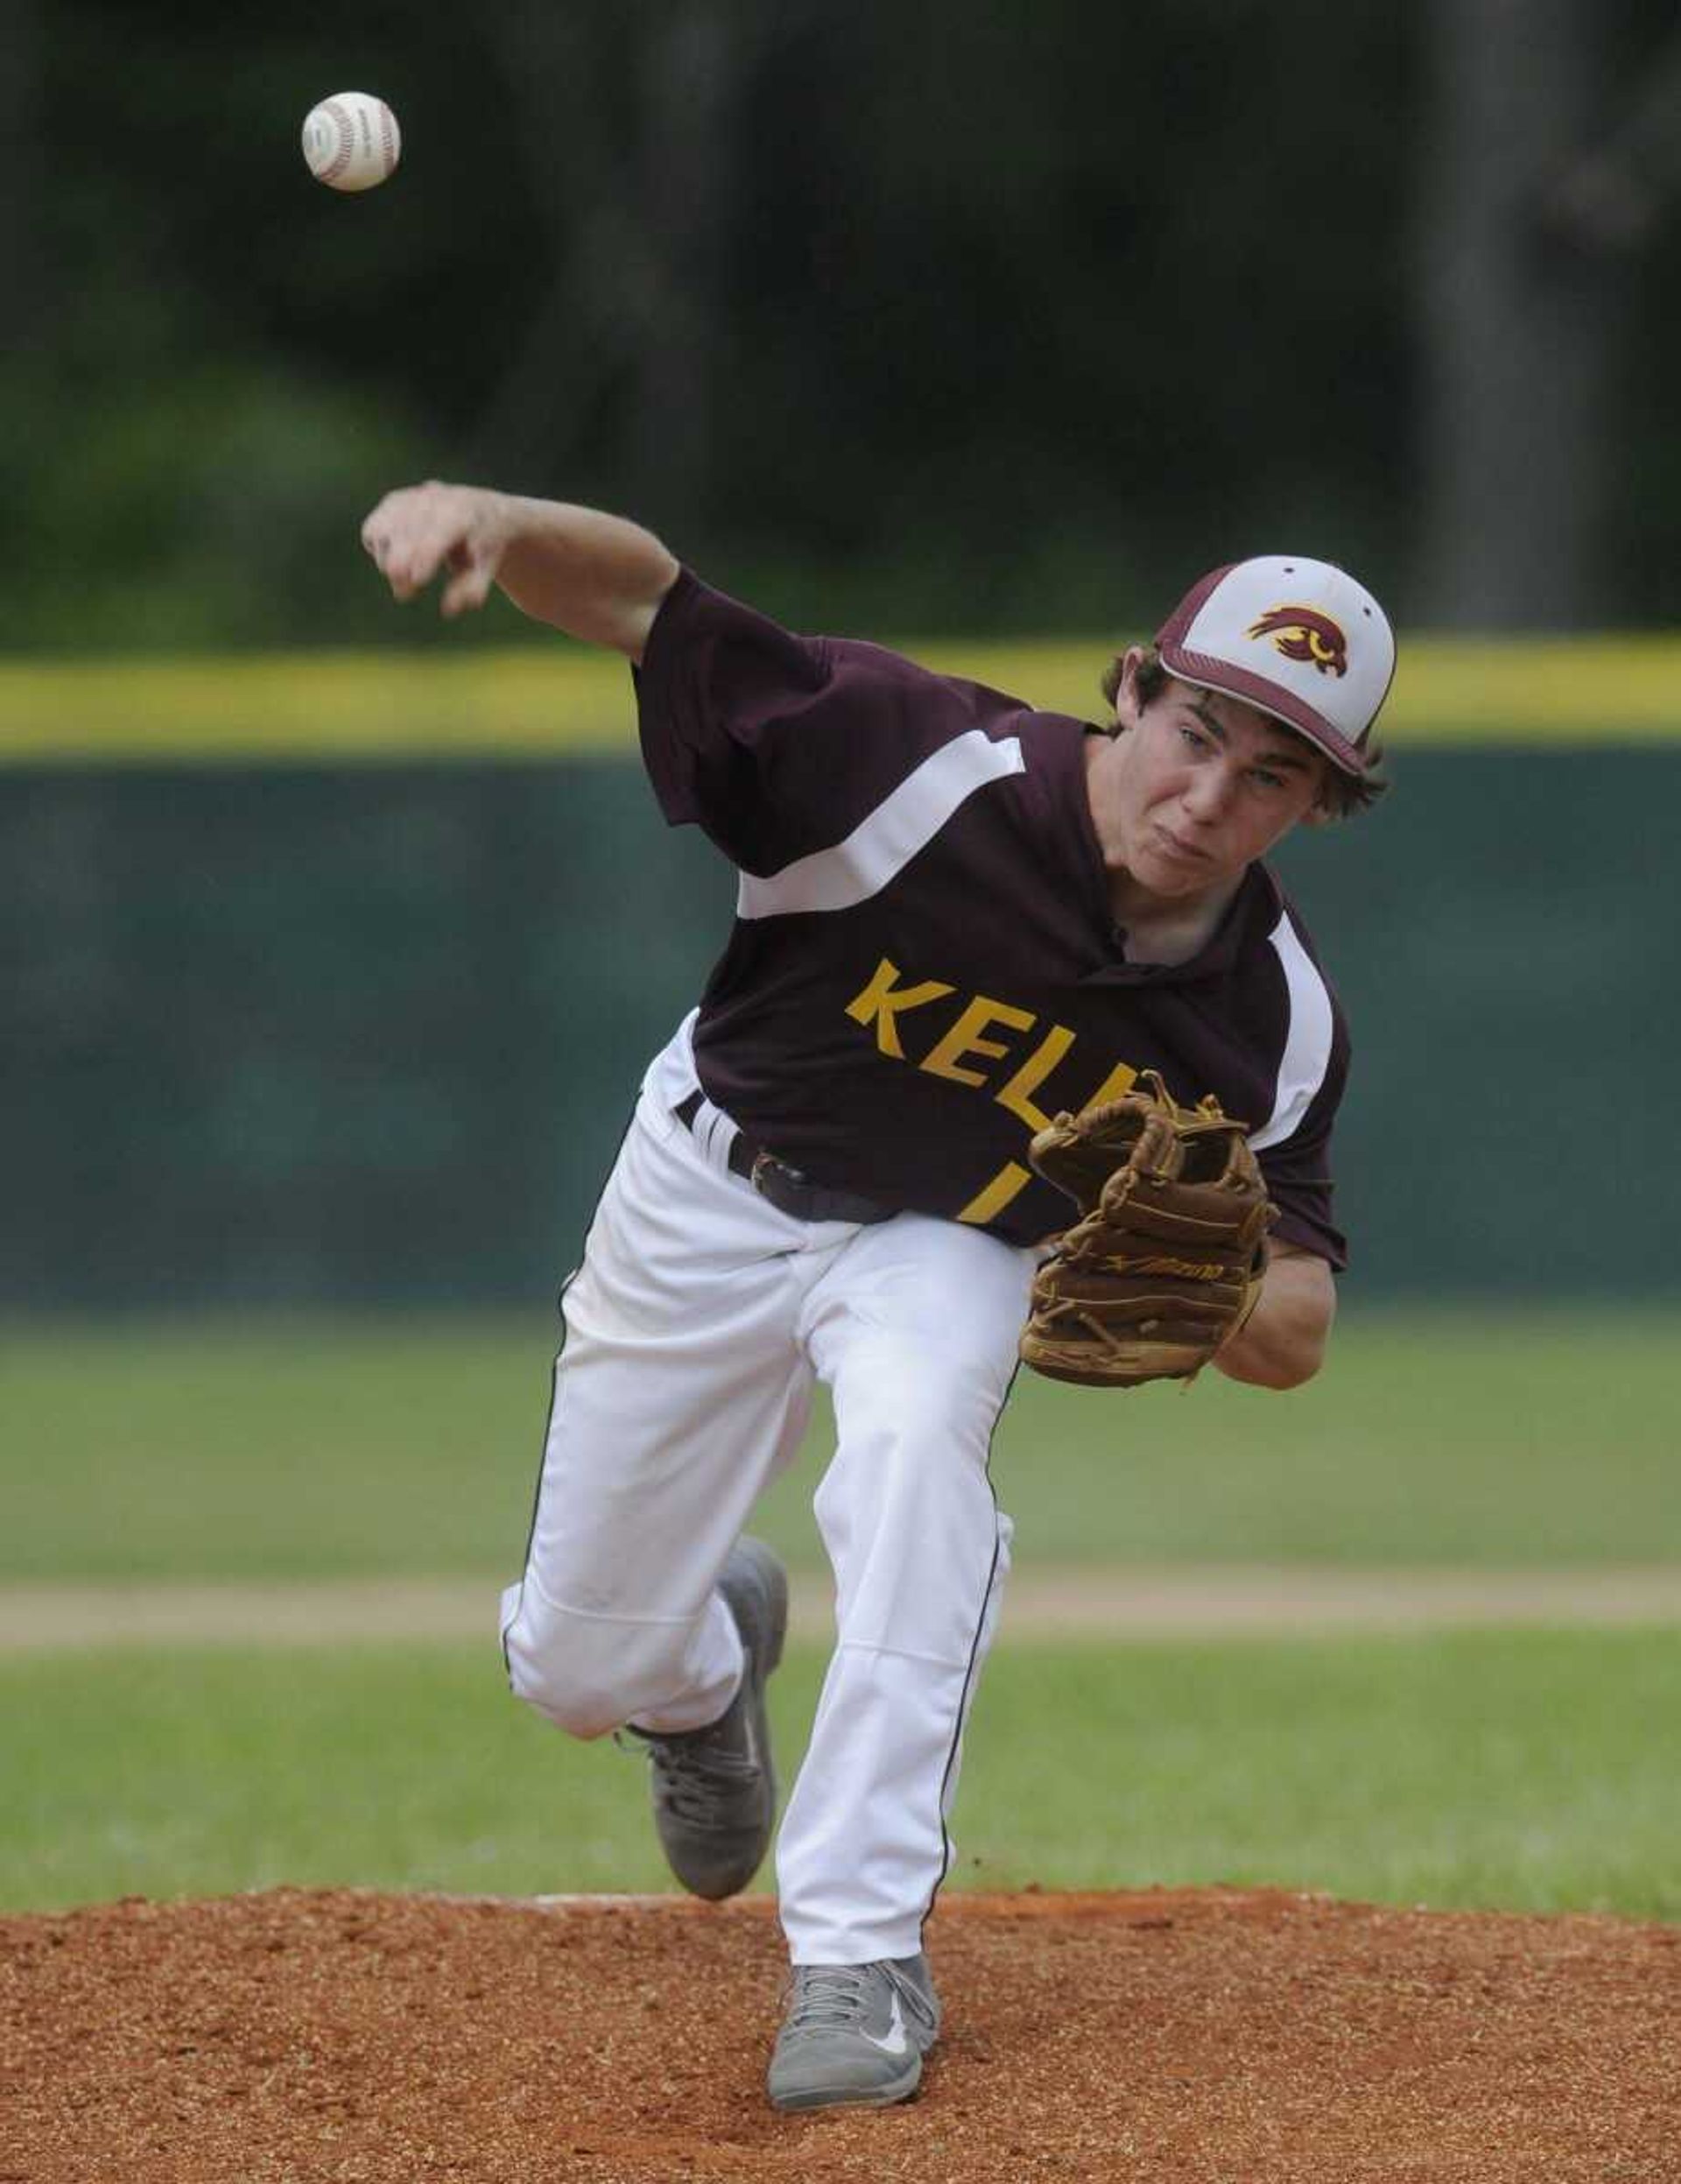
[[1342, 794]]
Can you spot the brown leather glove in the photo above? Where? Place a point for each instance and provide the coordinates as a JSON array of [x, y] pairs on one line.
[[1166, 1261]]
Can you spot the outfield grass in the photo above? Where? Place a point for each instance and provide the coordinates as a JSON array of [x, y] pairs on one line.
[[1529, 1770], [308, 1449], [1532, 1771]]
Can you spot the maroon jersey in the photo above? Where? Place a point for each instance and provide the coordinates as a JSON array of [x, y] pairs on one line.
[[924, 967]]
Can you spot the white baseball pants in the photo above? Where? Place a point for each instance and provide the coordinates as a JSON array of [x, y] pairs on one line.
[[694, 1331]]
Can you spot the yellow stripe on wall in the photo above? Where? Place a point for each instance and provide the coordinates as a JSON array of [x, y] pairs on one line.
[[311, 707], [541, 700], [1448, 690]]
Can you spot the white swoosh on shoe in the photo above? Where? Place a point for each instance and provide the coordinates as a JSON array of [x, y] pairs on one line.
[[892, 2042]]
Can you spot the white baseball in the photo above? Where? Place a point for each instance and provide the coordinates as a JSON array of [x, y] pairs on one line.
[[351, 140]]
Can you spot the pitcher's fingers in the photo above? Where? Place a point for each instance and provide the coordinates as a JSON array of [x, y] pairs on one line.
[[419, 550], [384, 524], [468, 588], [404, 565], [412, 532]]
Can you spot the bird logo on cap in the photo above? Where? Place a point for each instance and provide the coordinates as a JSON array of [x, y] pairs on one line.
[[1305, 634]]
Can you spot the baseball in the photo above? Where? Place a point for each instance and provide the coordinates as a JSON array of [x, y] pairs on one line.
[[351, 140]]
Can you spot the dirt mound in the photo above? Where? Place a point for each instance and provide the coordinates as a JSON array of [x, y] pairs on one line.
[[1248, 2037]]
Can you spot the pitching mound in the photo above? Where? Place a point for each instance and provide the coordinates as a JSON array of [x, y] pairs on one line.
[[1248, 2037]]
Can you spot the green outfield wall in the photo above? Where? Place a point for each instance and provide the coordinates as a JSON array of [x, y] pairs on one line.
[[331, 1004]]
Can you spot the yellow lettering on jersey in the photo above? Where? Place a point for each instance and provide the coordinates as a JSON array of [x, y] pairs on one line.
[[1010, 1182], [1116, 1086], [1032, 1074], [945, 1057], [880, 1004]]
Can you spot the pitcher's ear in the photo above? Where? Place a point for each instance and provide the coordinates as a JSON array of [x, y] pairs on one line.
[[1121, 685]]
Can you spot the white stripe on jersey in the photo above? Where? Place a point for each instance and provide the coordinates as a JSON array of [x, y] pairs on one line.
[[883, 843], [1307, 1047]]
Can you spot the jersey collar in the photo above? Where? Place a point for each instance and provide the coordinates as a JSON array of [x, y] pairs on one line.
[[1256, 905]]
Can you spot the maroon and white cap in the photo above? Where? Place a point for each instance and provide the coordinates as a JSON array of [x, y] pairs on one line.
[[1298, 639]]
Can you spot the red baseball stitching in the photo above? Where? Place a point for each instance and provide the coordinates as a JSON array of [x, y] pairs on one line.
[[345, 123], [341, 158]]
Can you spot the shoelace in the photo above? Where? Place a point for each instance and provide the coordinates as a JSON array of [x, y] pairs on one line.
[[826, 1997], [697, 1778]]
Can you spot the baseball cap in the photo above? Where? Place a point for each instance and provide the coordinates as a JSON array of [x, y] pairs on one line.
[[1297, 639]]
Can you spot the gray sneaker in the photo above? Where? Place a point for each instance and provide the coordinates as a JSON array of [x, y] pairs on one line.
[[853, 2034], [715, 1789]]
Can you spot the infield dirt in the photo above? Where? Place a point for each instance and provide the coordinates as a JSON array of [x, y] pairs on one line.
[[1113, 1601], [1228, 2037]]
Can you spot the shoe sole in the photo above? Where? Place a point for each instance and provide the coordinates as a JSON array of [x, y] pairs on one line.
[[768, 1569], [773, 1581], [767, 1586], [887, 2095]]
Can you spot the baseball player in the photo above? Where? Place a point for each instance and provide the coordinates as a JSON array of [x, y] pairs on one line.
[[957, 920]]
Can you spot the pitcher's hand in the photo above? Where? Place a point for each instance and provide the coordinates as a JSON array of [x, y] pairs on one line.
[[419, 530]]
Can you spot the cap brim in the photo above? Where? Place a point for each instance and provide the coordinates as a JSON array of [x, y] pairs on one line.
[[1267, 697]]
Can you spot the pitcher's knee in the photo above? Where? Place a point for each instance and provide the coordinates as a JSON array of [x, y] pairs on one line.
[[587, 1675], [561, 1697]]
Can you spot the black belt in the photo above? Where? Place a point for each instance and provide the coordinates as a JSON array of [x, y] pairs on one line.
[[787, 1190]]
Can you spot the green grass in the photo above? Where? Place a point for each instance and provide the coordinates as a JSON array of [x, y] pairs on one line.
[[307, 1448], [283, 1448], [1529, 1770], [1532, 1771]]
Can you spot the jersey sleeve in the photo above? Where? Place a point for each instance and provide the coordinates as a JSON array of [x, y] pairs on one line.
[[1297, 1171], [773, 744]]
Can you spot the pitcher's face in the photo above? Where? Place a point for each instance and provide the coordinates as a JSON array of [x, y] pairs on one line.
[[1201, 785]]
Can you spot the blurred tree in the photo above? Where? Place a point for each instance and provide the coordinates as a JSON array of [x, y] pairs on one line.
[[1612, 194], [20, 172], [1046, 306], [25, 334], [634, 182], [897, 318], [1522, 330]]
